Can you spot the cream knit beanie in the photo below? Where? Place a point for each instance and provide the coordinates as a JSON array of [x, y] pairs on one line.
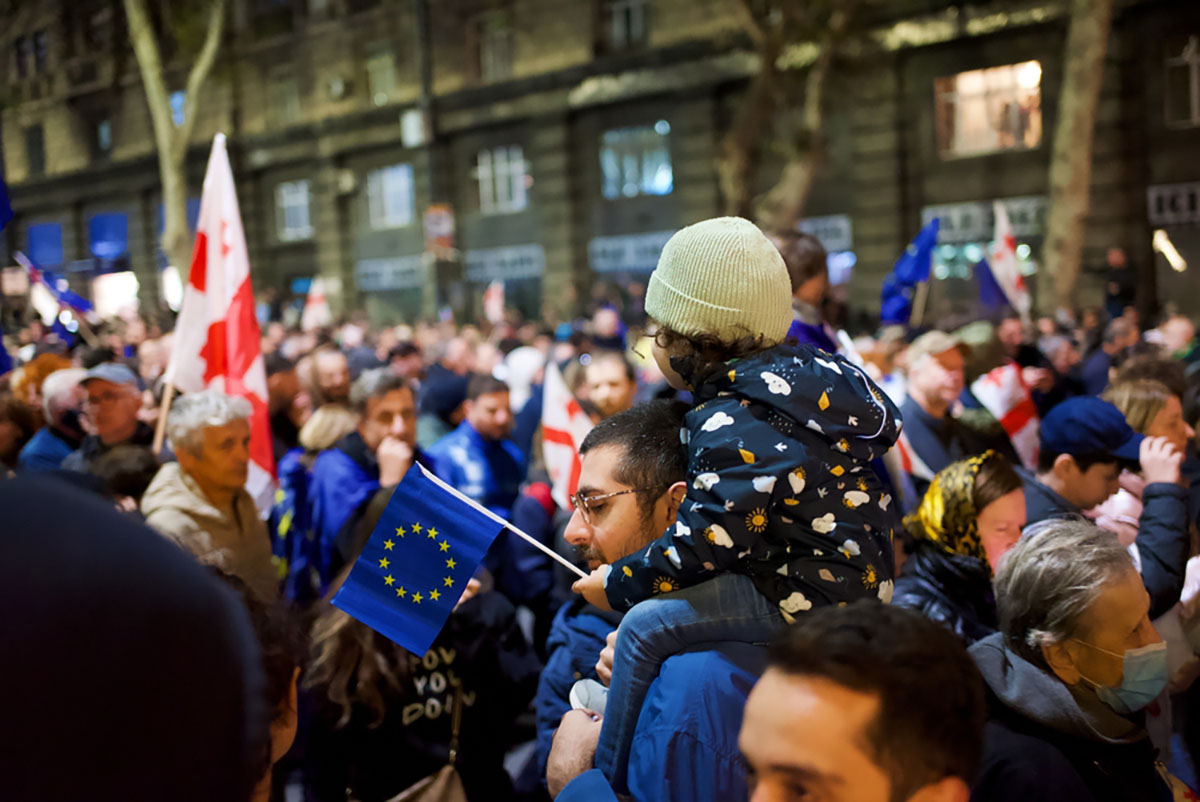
[[721, 277]]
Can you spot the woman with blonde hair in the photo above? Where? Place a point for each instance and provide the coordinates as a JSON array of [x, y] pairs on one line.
[[292, 540]]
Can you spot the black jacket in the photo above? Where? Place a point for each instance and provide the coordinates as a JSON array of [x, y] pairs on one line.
[[481, 645], [951, 589], [1162, 541], [1046, 743]]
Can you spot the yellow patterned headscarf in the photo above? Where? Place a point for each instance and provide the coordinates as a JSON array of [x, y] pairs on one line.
[[947, 516]]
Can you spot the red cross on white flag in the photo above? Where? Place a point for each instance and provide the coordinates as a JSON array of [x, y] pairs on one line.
[[217, 340], [1005, 265]]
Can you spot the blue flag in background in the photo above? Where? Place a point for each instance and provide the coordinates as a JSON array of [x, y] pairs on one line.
[[417, 561], [991, 296], [913, 265], [6, 212]]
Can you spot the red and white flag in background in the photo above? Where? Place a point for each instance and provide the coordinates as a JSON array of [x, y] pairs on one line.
[[217, 340], [1003, 393], [1005, 265], [564, 425], [316, 307]]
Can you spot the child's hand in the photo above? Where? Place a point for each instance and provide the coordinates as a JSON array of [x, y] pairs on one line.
[[592, 588]]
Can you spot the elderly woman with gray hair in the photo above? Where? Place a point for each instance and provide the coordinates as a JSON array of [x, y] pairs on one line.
[[1068, 675], [200, 502]]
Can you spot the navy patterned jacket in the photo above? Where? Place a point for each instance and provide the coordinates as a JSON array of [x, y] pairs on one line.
[[779, 486]]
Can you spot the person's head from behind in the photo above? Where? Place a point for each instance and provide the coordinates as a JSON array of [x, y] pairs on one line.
[[487, 407], [974, 507], [326, 426], [611, 382], [1084, 443], [1150, 408], [125, 472], [283, 382], [807, 265], [387, 408], [1070, 602], [282, 652], [18, 423], [405, 360], [631, 482], [936, 370], [1061, 351], [112, 400], [720, 291], [457, 356], [210, 434], [331, 375], [152, 662], [1010, 332], [1119, 335], [62, 399], [864, 703]]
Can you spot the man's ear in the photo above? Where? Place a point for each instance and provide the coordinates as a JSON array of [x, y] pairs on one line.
[[1064, 466], [947, 789], [674, 495], [1059, 659]]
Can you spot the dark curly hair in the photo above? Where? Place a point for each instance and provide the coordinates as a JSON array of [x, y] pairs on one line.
[[697, 356]]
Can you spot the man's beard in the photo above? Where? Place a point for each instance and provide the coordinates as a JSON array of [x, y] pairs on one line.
[[646, 534]]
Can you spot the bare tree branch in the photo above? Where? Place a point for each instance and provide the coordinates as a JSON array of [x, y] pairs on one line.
[[200, 71], [754, 26]]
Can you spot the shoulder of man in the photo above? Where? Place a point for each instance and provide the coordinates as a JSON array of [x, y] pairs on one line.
[[1020, 765]]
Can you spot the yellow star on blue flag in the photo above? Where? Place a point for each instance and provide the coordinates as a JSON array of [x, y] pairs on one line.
[[404, 588]]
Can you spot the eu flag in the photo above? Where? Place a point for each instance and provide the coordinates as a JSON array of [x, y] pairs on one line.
[[991, 296], [6, 212], [417, 561], [913, 265]]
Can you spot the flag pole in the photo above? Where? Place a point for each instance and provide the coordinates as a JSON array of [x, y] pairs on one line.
[[922, 296], [528, 538], [160, 428]]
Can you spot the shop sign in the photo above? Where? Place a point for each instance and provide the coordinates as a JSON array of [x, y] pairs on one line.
[[627, 252], [507, 263], [395, 273], [974, 221], [1173, 204], [834, 231]]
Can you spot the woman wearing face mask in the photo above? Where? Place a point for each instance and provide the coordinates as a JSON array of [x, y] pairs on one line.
[[1152, 409], [970, 516], [1068, 675]]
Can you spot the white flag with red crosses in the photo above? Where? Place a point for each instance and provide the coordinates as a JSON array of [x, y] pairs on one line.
[[217, 341]]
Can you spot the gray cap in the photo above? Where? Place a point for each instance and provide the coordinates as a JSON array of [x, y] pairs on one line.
[[113, 372]]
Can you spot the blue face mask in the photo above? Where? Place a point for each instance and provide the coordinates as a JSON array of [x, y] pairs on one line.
[[1144, 677]]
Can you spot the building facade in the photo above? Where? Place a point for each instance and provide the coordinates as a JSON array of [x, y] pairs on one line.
[[554, 145]]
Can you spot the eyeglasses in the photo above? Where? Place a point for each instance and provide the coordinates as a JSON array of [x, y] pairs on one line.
[[109, 397], [584, 503]]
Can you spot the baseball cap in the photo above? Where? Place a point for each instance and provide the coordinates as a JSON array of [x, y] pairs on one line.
[[1088, 426], [934, 343], [113, 372]]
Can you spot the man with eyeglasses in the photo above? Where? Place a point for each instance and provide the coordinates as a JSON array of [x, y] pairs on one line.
[[630, 486], [111, 400]]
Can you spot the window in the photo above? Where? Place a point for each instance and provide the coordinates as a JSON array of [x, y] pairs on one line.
[[291, 211], [1183, 86], [636, 161], [35, 150], [381, 75], [104, 138], [23, 50], [494, 32], [503, 180], [390, 196], [178, 102], [41, 52], [285, 100], [623, 23], [985, 111]]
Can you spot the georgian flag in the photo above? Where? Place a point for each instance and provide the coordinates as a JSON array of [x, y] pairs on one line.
[[1003, 393], [217, 339], [1005, 267], [564, 425]]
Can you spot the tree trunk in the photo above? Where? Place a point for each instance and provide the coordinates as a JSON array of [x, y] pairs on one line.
[[1071, 160], [741, 145], [171, 142]]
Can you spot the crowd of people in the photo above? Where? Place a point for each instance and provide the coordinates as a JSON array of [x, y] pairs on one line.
[[817, 565]]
